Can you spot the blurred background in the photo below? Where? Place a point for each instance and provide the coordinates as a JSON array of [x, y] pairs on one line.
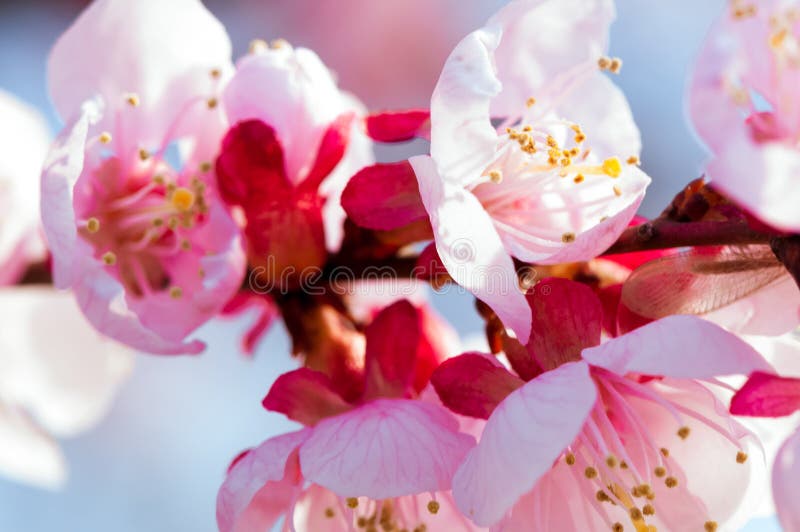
[[156, 461]]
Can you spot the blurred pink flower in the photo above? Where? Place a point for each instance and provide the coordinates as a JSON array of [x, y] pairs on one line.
[[129, 202], [24, 139], [361, 462], [744, 103], [57, 378], [533, 149], [626, 424]]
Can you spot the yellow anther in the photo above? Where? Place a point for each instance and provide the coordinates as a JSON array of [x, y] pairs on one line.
[[671, 482], [205, 166], [144, 154], [279, 43], [551, 141], [665, 452], [611, 461], [93, 225], [617, 527], [590, 472], [683, 432], [352, 502], [615, 66], [633, 159], [175, 292], [612, 167], [570, 459], [565, 162], [776, 39], [186, 245], [568, 237], [636, 514], [201, 273], [362, 522], [182, 199], [258, 46], [604, 62], [158, 222], [623, 464], [329, 513], [105, 137], [741, 457], [579, 137], [433, 507], [530, 102], [159, 179], [648, 509], [212, 103], [710, 526], [527, 129], [496, 176], [578, 178], [660, 472], [617, 190], [215, 73], [132, 99], [602, 496], [109, 258]]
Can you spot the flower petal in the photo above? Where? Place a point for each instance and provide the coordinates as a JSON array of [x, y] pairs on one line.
[[27, 454], [385, 448], [567, 317], [305, 396], [261, 485], [162, 52], [473, 384], [384, 196], [392, 341], [767, 395], [398, 126], [332, 148], [523, 437], [684, 347], [470, 247], [785, 479]]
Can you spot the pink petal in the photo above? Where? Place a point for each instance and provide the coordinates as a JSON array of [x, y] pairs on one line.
[[331, 150], [470, 247], [429, 265], [462, 137], [523, 437], [261, 485], [385, 448], [772, 310], [767, 395], [398, 126], [305, 396], [567, 317], [473, 385], [684, 347], [383, 196], [162, 52], [392, 341], [785, 483]]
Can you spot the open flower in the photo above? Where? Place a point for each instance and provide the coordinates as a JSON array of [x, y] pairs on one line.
[[588, 436], [534, 150], [57, 378], [744, 104], [24, 139], [129, 200], [385, 459], [292, 147]]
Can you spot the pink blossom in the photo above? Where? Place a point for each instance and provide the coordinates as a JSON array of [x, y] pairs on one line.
[[744, 104], [57, 378], [129, 202], [24, 138], [385, 458], [288, 156], [589, 435], [533, 149]]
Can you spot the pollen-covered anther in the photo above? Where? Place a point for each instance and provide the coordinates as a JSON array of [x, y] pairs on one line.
[[496, 176], [611, 461], [604, 62], [109, 258], [93, 225], [578, 178], [612, 167], [710, 526], [182, 199], [623, 465], [258, 46], [433, 507], [617, 190], [132, 99], [671, 482], [329, 513], [665, 452], [144, 154], [352, 502], [636, 514], [648, 509], [530, 102], [617, 527], [615, 66], [568, 237], [552, 141], [212, 103], [215, 73], [660, 472], [741, 457], [205, 166], [277, 44], [590, 472], [570, 459], [684, 432], [175, 292], [186, 245], [105, 137], [633, 159], [602, 496]]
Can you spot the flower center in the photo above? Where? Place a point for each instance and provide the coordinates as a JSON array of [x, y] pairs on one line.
[[389, 514]]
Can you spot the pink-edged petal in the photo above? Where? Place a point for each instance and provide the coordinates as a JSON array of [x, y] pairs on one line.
[[305, 396], [384, 196], [392, 341], [385, 448], [398, 126], [767, 395], [532, 51], [772, 310], [567, 317], [332, 148], [62, 168], [473, 384], [786, 483], [684, 347], [463, 141], [470, 247], [261, 485], [27, 454], [523, 437], [53, 363], [162, 52]]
